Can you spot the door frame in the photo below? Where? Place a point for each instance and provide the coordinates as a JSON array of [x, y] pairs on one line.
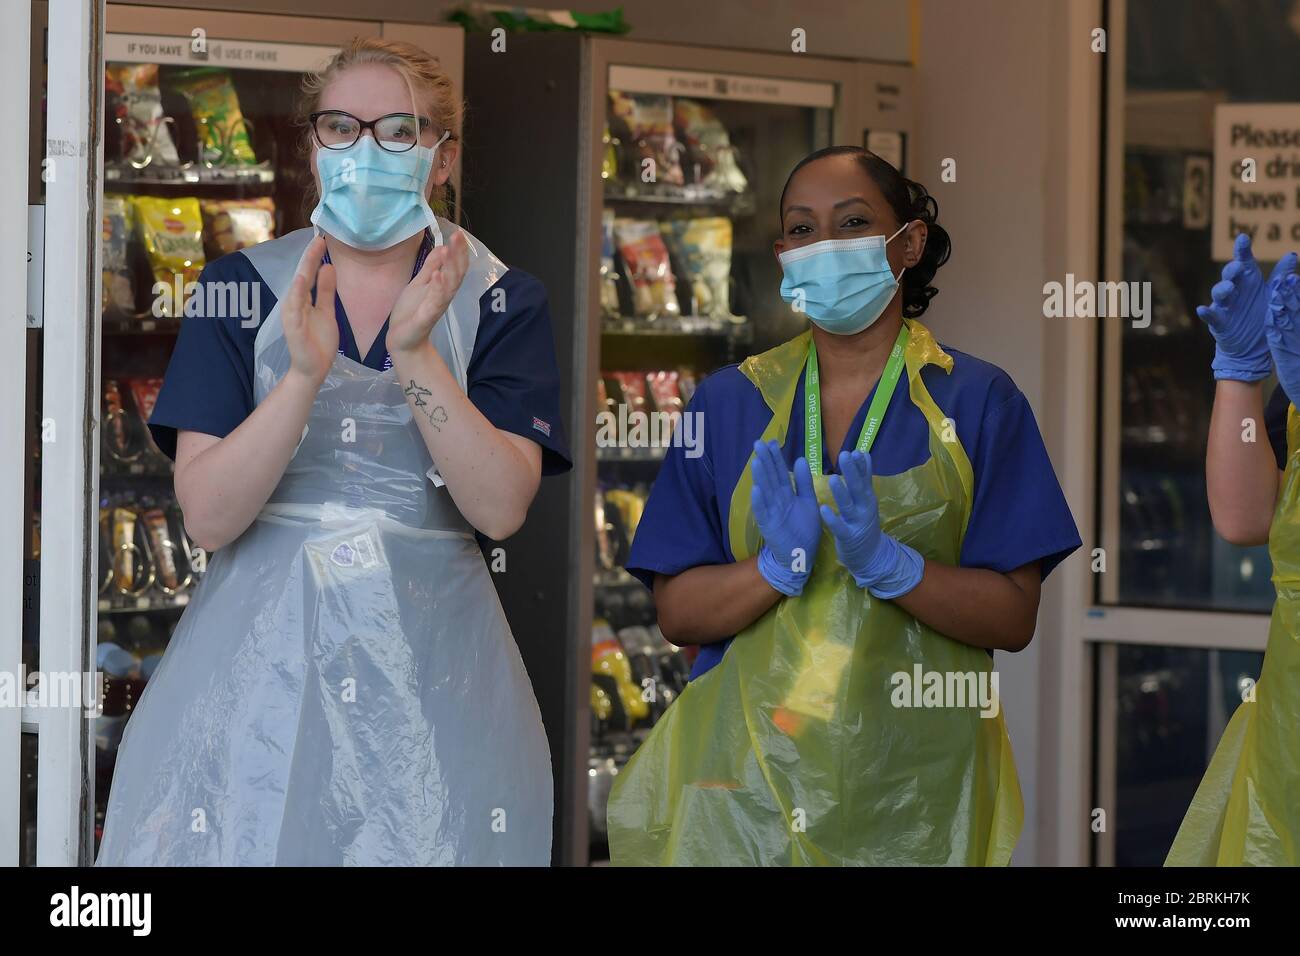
[[15, 76], [70, 428]]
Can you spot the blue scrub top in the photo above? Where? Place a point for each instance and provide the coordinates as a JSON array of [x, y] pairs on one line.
[[513, 378], [1019, 513], [1275, 413]]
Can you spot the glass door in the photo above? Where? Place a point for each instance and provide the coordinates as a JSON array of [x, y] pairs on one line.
[[1182, 616], [1172, 238], [1163, 710], [692, 168]]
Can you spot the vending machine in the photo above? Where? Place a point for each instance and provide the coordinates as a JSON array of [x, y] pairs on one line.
[[640, 182]]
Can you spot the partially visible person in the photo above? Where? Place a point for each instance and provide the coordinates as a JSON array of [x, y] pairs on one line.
[[1245, 811]]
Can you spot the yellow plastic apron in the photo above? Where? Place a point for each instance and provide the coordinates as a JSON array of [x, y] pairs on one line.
[[792, 751], [1246, 811]]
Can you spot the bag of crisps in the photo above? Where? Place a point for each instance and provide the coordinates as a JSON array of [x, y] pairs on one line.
[[135, 107], [233, 224], [171, 231], [223, 130]]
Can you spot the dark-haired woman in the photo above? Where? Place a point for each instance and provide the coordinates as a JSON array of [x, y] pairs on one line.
[[843, 707]]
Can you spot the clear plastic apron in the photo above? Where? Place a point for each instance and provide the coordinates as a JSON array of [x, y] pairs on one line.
[[343, 688]]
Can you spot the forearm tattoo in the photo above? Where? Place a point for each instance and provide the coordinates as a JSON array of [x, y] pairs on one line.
[[436, 414]]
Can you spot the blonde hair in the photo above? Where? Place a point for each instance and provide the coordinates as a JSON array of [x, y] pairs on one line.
[[424, 76]]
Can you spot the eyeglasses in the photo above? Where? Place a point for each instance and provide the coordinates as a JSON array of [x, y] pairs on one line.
[[396, 132]]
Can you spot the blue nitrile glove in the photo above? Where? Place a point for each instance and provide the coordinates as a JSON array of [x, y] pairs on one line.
[[1236, 314], [886, 567], [1282, 328], [786, 517]]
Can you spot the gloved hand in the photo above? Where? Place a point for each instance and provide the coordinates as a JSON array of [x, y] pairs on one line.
[[886, 567], [787, 518], [1236, 315], [1282, 329]]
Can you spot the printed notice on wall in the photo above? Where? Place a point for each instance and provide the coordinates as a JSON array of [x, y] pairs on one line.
[[1256, 178]]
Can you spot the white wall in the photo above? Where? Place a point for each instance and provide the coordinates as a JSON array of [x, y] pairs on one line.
[[991, 90]]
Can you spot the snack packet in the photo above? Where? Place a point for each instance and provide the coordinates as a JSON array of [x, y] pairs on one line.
[[710, 157], [161, 548], [144, 392], [117, 427], [210, 93], [233, 224], [634, 391], [645, 259], [703, 246], [649, 120], [608, 275], [172, 233], [630, 506], [117, 292], [663, 389], [134, 103]]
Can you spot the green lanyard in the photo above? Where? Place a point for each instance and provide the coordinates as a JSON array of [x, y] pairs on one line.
[[812, 432]]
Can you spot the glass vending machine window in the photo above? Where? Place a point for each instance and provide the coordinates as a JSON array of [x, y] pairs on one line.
[[200, 160], [692, 172], [1179, 71]]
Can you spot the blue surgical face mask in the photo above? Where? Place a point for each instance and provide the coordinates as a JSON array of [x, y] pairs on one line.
[[371, 198], [842, 284]]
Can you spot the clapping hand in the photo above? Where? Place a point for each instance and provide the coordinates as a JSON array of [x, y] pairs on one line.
[[311, 330], [887, 567], [786, 517], [426, 297], [1237, 312]]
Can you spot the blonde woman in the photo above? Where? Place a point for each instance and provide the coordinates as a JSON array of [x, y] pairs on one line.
[[344, 688]]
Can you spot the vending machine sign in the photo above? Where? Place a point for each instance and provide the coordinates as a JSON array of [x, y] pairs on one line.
[[721, 86], [243, 54]]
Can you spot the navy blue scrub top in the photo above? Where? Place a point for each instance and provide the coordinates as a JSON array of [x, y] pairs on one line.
[[1275, 413], [512, 377], [1019, 513]]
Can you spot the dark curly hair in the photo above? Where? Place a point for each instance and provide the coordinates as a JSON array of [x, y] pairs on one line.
[[910, 201]]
